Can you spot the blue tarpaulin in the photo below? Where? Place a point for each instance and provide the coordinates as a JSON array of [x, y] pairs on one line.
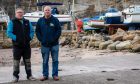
[[48, 3], [86, 19], [112, 10]]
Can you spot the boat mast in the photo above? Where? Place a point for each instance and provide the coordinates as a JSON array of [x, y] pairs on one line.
[[29, 6], [17, 4], [73, 6], [99, 5], [69, 3], [124, 3], [73, 16], [37, 6]]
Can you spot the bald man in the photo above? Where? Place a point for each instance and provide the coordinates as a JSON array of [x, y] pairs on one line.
[[21, 32], [48, 31]]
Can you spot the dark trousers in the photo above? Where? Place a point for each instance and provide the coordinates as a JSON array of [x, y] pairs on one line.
[[19, 52]]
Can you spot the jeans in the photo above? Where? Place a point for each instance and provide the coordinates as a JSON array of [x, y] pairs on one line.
[[46, 51]]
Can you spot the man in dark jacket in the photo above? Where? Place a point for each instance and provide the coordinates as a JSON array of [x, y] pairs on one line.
[[21, 32], [48, 31]]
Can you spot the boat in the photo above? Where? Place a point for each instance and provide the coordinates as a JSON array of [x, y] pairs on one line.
[[34, 16], [113, 16], [97, 22], [4, 18], [132, 14]]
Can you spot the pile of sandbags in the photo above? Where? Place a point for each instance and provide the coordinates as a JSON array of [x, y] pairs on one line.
[[121, 40]]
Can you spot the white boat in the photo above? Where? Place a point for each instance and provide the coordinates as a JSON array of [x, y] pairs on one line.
[[34, 16], [132, 14], [4, 18]]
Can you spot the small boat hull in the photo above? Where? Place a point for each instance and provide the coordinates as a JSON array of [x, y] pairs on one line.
[[4, 18], [96, 23], [132, 19]]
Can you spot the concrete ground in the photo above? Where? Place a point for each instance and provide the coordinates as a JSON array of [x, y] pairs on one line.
[[106, 69]]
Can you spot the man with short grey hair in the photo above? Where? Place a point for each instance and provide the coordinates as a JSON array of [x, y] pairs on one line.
[[21, 32]]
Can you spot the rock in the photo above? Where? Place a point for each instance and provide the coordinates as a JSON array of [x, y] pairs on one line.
[[113, 45], [91, 44], [138, 32], [137, 37], [116, 38], [86, 38], [74, 42], [128, 37], [35, 43], [66, 40], [97, 37], [74, 37], [106, 38], [80, 41], [104, 45], [62, 40], [124, 45], [136, 40], [135, 43], [96, 44], [136, 48], [121, 32], [84, 45], [77, 46], [7, 43], [119, 35]]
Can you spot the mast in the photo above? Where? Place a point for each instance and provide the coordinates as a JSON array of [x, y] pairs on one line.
[[73, 5], [69, 3], [124, 3], [99, 5], [37, 6]]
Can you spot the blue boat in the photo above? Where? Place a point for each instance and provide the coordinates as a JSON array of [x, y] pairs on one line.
[[113, 16]]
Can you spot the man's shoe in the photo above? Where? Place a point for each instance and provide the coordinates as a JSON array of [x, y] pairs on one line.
[[15, 79], [31, 78], [43, 78], [56, 78]]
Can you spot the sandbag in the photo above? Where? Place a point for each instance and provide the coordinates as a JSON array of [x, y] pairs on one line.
[[123, 45], [104, 45], [113, 45]]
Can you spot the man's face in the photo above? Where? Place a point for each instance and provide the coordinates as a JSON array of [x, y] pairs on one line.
[[47, 11], [19, 14]]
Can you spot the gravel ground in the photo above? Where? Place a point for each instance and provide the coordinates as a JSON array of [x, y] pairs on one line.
[[79, 66]]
